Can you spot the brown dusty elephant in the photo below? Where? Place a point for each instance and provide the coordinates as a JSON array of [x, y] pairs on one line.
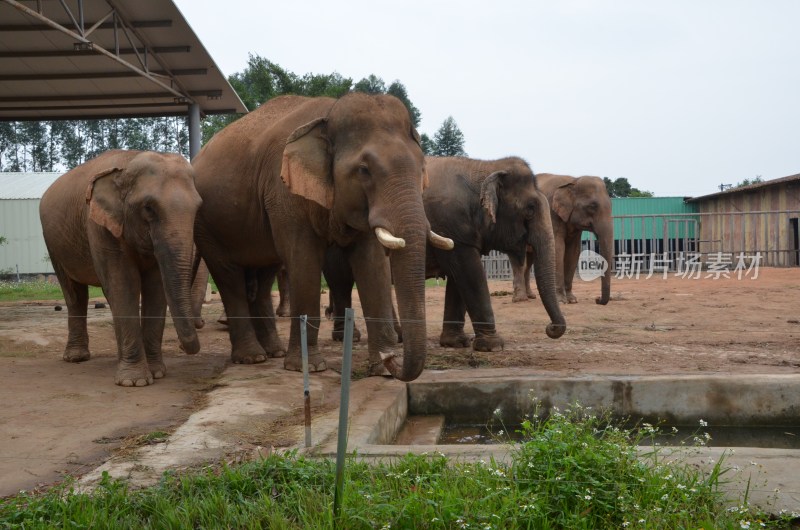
[[283, 293], [124, 221], [577, 204], [295, 176]]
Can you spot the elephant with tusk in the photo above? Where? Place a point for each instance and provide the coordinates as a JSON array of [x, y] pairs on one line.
[[294, 177]]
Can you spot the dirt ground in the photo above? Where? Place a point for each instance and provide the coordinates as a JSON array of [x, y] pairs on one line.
[[61, 418]]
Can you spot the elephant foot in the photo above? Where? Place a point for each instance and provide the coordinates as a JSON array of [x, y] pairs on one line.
[[531, 295], [157, 368], [283, 310], [272, 346], [377, 368], [137, 374], [571, 299], [454, 340], [519, 297], [76, 355], [488, 343], [241, 357], [338, 335], [316, 363]]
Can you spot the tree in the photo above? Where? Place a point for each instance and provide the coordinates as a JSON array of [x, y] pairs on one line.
[[427, 144], [371, 85], [398, 90], [448, 140], [622, 188], [747, 182]]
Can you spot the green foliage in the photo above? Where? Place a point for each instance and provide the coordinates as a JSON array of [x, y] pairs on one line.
[[448, 140], [15, 291], [747, 182], [427, 144], [622, 188], [572, 470], [59, 145]]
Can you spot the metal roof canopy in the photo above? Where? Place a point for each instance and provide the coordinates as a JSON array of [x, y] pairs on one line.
[[93, 59]]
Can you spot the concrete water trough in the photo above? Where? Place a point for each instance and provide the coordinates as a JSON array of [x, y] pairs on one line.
[[393, 418]]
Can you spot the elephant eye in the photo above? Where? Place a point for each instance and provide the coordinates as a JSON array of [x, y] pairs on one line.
[[149, 211], [363, 170]]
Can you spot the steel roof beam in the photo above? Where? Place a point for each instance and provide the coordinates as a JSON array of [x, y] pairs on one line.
[[32, 54], [89, 97], [97, 75], [94, 47], [102, 25]]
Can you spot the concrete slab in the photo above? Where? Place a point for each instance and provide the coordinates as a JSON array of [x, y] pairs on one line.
[[250, 404]]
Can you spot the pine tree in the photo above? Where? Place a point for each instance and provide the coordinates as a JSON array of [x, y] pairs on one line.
[[449, 140]]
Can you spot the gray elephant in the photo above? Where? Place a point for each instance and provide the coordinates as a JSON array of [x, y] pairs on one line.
[[124, 221], [281, 185], [577, 204], [484, 206], [481, 206]]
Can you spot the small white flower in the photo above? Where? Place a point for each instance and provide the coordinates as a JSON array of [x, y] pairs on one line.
[[703, 423], [664, 497], [625, 524], [744, 524], [587, 497]]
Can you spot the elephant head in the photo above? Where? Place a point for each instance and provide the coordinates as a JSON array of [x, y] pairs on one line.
[[584, 204], [363, 163], [150, 205], [519, 211]]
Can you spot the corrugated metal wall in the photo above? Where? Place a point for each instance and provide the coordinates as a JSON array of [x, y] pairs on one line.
[[20, 225]]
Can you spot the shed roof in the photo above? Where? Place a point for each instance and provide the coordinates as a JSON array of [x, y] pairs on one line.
[[105, 58], [751, 187], [25, 185]]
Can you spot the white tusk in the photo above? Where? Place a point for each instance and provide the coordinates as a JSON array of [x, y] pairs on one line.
[[444, 243], [388, 240]]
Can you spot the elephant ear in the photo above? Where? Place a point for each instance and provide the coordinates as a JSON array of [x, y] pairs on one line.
[[306, 165], [105, 201], [489, 194], [564, 201]]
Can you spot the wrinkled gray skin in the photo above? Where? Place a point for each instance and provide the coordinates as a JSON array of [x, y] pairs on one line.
[[291, 178], [481, 206], [124, 221], [484, 206], [577, 204]]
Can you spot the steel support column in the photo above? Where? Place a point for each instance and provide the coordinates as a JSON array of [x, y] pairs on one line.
[[194, 130]]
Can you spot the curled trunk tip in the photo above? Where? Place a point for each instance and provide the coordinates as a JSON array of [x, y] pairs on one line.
[[555, 331]]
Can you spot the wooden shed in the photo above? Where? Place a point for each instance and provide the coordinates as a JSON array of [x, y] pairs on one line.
[[757, 219]]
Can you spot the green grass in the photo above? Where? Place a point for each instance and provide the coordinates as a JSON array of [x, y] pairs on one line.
[[16, 291], [573, 470]]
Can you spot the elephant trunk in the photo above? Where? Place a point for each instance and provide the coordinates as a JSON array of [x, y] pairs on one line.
[[543, 243], [408, 275], [605, 240], [175, 263]]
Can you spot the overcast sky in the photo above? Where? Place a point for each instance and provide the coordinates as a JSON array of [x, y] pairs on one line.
[[677, 97]]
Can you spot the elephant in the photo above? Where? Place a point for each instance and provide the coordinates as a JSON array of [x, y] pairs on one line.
[[577, 204], [295, 176], [481, 206], [124, 221], [283, 293]]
